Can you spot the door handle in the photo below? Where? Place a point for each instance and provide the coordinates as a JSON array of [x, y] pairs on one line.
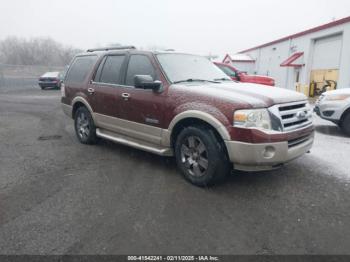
[[91, 90], [125, 96]]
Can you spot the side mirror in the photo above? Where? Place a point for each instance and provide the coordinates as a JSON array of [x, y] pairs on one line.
[[146, 82]]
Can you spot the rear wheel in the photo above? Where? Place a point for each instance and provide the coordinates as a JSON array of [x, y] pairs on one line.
[[345, 124], [85, 128], [200, 156]]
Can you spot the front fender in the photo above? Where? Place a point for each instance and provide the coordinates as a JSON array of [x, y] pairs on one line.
[[206, 113]]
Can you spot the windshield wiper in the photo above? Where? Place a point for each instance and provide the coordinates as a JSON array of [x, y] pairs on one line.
[[196, 80]]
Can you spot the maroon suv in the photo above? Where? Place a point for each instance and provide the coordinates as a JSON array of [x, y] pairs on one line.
[[179, 104]]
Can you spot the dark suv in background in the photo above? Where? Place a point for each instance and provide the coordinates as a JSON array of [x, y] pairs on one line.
[[179, 104]]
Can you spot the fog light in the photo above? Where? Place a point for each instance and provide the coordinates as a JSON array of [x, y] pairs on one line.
[[269, 152]]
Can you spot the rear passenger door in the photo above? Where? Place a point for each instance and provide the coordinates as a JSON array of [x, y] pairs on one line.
[[104, 90]]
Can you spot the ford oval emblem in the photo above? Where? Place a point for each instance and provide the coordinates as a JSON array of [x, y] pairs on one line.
[[301, 114]]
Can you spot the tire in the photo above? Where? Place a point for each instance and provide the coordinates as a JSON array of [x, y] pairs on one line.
[[85, 128], [345, 124], [201, 157]]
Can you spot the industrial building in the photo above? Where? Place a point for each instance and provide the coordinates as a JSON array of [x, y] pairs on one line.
[[310, 61]]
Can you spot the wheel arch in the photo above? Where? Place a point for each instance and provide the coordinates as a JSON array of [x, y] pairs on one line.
[[78, 102], [194, 117], [345, 113]]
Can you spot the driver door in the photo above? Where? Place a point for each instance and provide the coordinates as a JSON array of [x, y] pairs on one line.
[[143, 109]]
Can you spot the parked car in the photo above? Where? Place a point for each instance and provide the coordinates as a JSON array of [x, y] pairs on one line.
[[335, 106], [241, 76], [51, 79], [182, 105]]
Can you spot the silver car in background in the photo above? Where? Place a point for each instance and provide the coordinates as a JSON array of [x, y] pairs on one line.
[[51, 79], [335, 107]]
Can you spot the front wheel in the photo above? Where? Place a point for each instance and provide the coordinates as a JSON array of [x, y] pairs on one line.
[[85, 128], [200, 156]]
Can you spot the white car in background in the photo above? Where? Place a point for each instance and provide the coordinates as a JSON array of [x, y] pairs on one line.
[[335, 106]]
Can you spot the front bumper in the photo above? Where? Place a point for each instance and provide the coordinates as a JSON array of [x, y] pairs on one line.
[[266, 156], [330, 110]]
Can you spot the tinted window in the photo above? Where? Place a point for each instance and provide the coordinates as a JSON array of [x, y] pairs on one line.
[[99, 70], [80, 68], [111, 69], [139, 65]]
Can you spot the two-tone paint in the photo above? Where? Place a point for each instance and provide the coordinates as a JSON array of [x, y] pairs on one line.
[[149, 119]]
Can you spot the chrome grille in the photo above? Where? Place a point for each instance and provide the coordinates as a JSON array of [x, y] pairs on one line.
[[295, 115]]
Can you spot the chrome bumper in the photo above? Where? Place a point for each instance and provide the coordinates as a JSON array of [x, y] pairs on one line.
[[267, 156]]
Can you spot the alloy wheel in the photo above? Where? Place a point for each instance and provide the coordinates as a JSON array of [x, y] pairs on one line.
[[194, 156], [83, 126]]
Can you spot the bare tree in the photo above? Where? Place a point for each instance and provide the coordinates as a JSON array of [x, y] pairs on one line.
[[36, 51]]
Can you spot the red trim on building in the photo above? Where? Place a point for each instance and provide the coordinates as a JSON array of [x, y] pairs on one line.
[[226, 56], [244, 61], [309, 31], [236, 60], [289, 61]]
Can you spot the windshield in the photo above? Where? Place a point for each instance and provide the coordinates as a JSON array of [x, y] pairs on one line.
[[227, 70], [182, 67]]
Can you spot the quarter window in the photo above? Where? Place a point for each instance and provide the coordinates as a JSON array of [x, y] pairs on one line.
[[139, 65], [111, 69], [80, 68]]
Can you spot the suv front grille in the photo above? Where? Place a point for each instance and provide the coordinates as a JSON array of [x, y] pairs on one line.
[[295, 115]]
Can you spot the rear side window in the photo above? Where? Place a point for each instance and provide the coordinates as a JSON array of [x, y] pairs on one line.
[[109, 71], [139, 65], [80, 68]]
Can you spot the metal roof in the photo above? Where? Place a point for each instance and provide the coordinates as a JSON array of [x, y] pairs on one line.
[[306, 32]]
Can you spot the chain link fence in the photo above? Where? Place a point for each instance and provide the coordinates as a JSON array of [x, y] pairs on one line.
[[14, 77]]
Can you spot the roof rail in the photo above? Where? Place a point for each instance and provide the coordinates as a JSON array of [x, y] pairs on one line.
[[111, 48]]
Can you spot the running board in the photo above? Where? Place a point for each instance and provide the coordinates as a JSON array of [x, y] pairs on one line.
[[135, 143]]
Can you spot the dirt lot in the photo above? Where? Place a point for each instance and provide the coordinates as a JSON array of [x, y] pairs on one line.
[[60, 197]]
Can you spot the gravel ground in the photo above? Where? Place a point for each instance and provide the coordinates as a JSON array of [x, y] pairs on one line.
[[60, 197]]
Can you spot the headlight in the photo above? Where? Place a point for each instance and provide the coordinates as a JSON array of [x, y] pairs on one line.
[[336, 97], [252, 118]]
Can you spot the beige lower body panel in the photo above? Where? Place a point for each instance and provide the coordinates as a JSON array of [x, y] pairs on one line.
[[267, 156], [148, 133]]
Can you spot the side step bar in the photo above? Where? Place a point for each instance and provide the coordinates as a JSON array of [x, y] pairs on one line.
[[125, 140]]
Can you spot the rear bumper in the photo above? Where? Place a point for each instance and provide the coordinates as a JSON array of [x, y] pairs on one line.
[[266, 156], [67, 109], [49, 84]]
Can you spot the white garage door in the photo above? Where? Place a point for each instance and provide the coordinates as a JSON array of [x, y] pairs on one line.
[[327, 52]]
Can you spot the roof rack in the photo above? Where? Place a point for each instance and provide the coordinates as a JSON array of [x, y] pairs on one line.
[[111, 48]]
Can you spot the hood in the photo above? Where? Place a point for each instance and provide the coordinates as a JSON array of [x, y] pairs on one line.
[[342, 91], [257, 96]]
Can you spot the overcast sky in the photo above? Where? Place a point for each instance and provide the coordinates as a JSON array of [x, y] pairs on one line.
[[206, 26]]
